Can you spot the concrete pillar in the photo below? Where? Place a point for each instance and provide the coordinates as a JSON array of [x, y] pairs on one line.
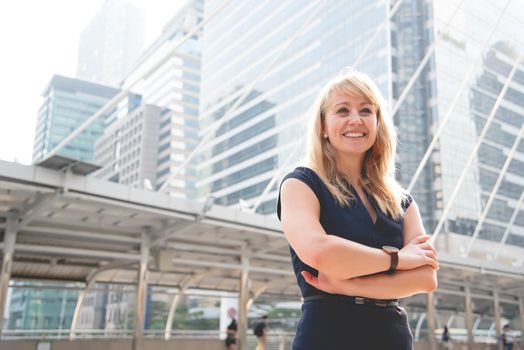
[[242, 303], [498, 326], [430, 320], [79, 303], [171, 314], [7, 262], [141, 294], [76, 314], [418, 327], [469, 315], [521, 316]]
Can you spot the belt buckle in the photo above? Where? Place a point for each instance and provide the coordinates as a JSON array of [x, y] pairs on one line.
[[359, 300]]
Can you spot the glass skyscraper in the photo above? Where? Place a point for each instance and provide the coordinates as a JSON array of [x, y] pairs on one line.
[[67, 104], [172, 82], [265, 132], [40, 308], [111, 44], [438, 63], [475, 52]]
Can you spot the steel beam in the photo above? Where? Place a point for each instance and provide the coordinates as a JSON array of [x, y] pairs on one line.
[[141, 294], [67, 251], [430, 314], [7, 262], [41, 203], [174, 303], [469, 315], [521, 316], [243, 300], [76, 314], [496, 305], [90, 281]]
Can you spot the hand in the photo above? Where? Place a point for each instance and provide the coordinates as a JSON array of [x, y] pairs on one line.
[[418, 252], [326, 283]]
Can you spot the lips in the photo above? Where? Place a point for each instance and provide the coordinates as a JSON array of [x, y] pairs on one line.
[[354, 134]]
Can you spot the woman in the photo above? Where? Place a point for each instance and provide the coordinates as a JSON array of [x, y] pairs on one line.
[[231, 335], [446, 339], [357, 239]]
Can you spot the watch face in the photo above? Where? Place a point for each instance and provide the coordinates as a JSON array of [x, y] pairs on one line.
[[389, 249]]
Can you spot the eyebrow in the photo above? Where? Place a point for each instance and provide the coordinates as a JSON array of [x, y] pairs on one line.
[[362, 104]]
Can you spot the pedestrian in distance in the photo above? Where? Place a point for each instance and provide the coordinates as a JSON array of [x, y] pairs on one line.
[[231, 335], [446, 338], [260, 330], [507, 337]]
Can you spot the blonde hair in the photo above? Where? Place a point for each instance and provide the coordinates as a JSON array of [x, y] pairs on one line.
[[377, 169]]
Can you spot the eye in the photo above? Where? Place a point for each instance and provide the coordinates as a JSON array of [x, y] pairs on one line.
[[366, 111], [343, 110]]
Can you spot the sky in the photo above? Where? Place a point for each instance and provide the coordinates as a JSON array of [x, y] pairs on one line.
[[38, 39]]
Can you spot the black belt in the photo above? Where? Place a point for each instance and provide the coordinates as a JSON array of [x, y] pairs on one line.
[[355, 300]]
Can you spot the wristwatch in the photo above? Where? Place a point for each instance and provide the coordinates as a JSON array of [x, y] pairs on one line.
[[393, 253]]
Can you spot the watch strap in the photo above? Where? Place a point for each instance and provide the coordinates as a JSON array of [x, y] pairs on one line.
[[394, 262]]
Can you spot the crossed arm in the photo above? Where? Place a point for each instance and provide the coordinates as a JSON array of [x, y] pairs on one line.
[[349, 268]]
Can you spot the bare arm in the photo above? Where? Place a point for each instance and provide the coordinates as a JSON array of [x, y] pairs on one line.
[[383, 286], [339, 257], [379, 286], [413, 227]]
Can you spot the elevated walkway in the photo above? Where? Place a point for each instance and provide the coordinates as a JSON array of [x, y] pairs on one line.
[[58, 225]]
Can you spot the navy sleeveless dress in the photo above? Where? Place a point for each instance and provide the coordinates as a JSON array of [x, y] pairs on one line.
[[336, 324]]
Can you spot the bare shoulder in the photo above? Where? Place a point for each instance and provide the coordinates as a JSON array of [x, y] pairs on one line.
[[412, 225], [297, 197], [300, 216]]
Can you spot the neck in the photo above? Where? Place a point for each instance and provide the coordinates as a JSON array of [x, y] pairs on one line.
[[351, 167]]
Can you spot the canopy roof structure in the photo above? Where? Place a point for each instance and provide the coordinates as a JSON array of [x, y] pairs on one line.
[[71, 227]]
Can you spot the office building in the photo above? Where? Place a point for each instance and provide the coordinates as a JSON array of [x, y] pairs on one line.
[[40, 308], [67, 104], [265, 131], [111, 43], [128, 149], [171, 71]]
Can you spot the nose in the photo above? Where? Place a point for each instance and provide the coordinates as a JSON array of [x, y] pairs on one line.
[[354, 118]]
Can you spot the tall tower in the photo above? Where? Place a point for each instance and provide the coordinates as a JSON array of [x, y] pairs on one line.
[[111, 43], [67, 104], [265, 131], [172, 83]]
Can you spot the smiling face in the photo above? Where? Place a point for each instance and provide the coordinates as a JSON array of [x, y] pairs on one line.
[[350, 122]]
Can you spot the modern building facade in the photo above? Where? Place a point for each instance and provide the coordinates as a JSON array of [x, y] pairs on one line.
[[111, 43], [480, 84], [67, 104], [93, 312], [412, 33], [40, 308], [442, 65], [422, 56], [128, 149], [266, 131], [172, 82]]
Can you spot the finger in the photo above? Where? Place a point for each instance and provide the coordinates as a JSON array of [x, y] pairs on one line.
[[431, 255], [433, 263], [428, 247], [420, 239], [310, 279]]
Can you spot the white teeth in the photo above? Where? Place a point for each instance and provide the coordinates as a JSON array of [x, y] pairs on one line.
[[353, 134]]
